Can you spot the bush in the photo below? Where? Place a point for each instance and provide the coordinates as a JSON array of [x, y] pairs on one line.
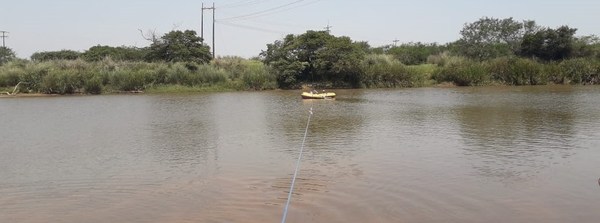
[[581, 71], [256, 76], [553, 71], [59, 82], [463, 72], [384, 71], [517, 71], [93, 86]]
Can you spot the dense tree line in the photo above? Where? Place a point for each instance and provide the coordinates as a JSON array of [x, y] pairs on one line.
[[338, 61], [175, 46]]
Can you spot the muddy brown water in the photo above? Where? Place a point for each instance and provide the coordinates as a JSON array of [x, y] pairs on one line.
[[492, 154]]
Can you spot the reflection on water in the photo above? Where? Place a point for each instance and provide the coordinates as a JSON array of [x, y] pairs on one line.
[[515, 142], [494, 154], [184, 135]]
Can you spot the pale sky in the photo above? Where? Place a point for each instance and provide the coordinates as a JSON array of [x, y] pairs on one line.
[[244, 27]]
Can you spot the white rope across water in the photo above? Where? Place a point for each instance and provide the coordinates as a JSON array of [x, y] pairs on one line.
[[287, 204]]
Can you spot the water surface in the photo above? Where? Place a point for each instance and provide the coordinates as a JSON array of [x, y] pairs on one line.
[[493, 154]]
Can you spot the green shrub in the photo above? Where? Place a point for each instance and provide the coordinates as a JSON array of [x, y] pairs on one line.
[[10, 76], [93, 86], [463, 72], [581, 71], [256, 76], [554, 73], [60, 82], [517, 71], [384, 71]]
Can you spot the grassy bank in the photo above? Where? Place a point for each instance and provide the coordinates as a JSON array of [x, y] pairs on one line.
[[517, 71], [235, 74], [77, 76], [385, 71]]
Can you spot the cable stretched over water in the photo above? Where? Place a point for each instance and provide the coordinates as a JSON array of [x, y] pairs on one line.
[[287, 204]]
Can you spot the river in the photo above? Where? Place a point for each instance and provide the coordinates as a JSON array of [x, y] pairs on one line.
[[489, 154]]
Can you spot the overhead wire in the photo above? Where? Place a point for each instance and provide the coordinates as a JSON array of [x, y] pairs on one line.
[[243, 3], [277, 24], [261, 13], [250, 27], [234, 4], [232, 21], [279, 11]]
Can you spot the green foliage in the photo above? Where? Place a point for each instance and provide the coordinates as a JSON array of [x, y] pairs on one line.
[[97, 53], [386, 71], [315, 56], [55, 55], [415, 53], [581, 71], [6, 55], [234, 65], [93, 85], [60, 82], [78, 76], [549, 44], [463, 72], [489, 38], [10, 74], [179, 46], [586, 46], [251, 74], [517, 71]]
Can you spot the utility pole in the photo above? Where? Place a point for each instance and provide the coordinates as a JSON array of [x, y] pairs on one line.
[[328, 28], [202, 22], [213, 40], [3, 36], [213, 25], [396, 41]]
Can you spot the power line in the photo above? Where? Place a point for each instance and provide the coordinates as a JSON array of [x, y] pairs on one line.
[[263, 11], [243, 3], [274, 12], [236, 3], [287, 25], [250, 27]]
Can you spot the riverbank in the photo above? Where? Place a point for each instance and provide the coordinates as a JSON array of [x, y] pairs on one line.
[[61, 77]]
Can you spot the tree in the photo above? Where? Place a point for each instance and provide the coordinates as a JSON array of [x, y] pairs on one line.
[[549, 44], [122, 53], [315, 56], [489, 38], [415, 53], [6, 54], [179, 46], [586, 46], [55, 55]]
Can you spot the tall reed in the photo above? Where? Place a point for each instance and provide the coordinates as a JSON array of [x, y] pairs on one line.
[[581, 71], [386, 71], [517, 71], [463, 72]]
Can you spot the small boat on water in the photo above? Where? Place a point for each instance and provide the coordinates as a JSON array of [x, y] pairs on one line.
[[317, 95]]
